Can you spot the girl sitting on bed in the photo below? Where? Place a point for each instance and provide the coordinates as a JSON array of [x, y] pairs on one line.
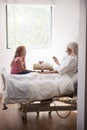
[[18, 65]]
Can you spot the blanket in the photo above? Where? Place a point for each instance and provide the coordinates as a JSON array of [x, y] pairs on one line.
[[36, 87]]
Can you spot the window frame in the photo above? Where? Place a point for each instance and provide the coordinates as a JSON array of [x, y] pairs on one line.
[[51, 29]]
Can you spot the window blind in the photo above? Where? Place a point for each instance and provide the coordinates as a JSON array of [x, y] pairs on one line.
[[52, 2]]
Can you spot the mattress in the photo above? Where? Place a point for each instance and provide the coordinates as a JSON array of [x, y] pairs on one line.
[[36, 87]]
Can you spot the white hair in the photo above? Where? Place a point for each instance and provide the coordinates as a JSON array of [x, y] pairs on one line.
[[74, 47]]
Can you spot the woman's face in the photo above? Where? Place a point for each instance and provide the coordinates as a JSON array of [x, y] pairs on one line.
[[69, 51]]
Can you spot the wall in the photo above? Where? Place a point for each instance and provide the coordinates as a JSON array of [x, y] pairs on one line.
[[82, 84], [65, 29]]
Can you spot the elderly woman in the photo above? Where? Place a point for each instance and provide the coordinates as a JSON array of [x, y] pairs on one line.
[[69, 64]]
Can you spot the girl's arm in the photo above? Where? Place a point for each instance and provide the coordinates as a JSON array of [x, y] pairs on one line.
[[21, 64]]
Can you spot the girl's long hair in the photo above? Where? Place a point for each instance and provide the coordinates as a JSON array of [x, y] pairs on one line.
[[18, 52]]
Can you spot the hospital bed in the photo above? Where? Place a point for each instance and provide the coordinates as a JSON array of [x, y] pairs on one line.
[[38, 104]]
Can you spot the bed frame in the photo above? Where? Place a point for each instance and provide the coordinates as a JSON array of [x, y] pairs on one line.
[[68, 104], [64, 103]]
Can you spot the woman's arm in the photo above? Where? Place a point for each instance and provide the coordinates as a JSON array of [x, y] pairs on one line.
[[68, 65]]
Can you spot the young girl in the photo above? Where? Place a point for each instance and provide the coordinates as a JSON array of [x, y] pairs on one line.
[[18, 65]]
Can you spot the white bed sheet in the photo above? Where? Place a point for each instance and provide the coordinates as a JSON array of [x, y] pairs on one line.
[[35, 87]]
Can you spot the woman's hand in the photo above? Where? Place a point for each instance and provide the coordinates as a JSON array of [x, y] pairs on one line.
[[56, 60]]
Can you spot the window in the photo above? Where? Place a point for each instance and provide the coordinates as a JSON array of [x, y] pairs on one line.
[[29, 25]]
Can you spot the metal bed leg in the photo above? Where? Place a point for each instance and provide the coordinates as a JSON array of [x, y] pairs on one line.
[[37, 113], [20, 108], [4, 107], [24, 117], [50, 113]]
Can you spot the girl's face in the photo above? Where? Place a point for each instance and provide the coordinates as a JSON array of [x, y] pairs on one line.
[[69, 51]]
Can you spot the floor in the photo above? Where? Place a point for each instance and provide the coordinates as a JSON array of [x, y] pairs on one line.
[[11, 119]]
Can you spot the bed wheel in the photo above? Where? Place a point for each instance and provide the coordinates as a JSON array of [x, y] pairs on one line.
[[37, 114], [24, 117], [50, 113]]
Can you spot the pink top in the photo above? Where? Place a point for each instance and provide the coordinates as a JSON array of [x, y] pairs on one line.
[[15, 69]]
